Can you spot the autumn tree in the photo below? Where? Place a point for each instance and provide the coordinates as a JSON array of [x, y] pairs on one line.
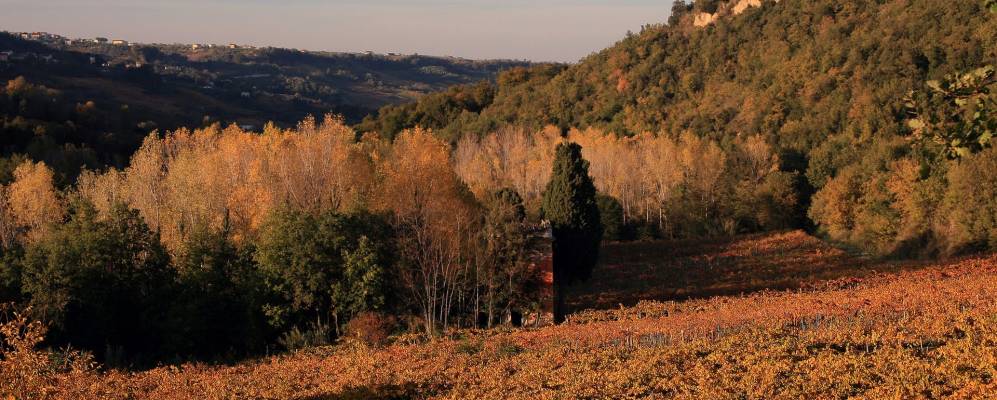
[[435, 216], [34, 202], [569, 204]]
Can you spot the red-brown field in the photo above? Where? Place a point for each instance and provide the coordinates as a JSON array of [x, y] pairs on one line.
[[814, 322], [632, 272]]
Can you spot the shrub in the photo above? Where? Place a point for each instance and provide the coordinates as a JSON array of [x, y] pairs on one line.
[[316, 334], [371, 328], [24, 369]]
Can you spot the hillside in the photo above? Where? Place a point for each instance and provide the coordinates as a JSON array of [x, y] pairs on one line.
[[881, 112], [796, 72], [918, 330]]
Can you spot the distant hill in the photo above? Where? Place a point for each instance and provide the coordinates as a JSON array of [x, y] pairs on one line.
[[135, 88], [244, 84]]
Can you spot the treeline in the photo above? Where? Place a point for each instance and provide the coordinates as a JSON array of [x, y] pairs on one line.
[[662, 187], [220, 242], [217, 243]]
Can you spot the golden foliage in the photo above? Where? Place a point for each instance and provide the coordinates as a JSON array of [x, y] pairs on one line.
[[436, 216], [27, 373], [647, 173], [511, 157], [230, 178], [33, 199]]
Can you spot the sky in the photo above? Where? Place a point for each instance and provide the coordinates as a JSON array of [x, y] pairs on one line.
[[538, 30]]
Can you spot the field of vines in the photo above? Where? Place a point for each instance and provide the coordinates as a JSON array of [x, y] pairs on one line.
[[777, 316]]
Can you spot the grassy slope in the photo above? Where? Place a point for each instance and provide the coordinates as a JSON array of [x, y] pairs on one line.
[[916, 331]]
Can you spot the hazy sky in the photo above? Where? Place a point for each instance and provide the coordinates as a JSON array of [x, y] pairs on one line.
[[540, 30]]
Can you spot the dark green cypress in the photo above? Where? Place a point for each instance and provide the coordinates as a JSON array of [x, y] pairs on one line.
[[569, 203]]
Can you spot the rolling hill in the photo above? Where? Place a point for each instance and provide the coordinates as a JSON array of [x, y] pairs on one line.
[[101, 99]]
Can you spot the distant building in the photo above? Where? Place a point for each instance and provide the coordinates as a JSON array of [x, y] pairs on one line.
[[38, 35], [100, 40], [233, 46], [195, 46], [25, 35], [119, 42]]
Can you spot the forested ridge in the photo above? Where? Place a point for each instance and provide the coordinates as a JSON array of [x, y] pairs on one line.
[[831, 86], [796, 71]]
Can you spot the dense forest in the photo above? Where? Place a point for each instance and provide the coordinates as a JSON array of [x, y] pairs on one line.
[[869, 122], [835, 88]]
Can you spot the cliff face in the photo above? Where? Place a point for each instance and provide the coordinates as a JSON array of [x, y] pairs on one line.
[[701, 19], [704, 18]]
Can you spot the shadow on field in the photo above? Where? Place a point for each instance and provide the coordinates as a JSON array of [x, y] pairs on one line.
[[678, 270], [383, 392]]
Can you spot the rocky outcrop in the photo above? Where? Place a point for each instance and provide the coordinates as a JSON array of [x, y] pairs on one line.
[[731, 8], [742, 5], [704, 18]]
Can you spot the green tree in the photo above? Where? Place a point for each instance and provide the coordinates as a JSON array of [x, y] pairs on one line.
[[679, 9], [504, 273], [363, 285], [218, 312], [958, 115], [611, 216], [11, 259], [314, 266], [298, 262], [569, 204], [102, 283]]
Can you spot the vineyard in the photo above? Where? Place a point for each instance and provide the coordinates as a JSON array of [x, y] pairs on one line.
[[758, 317]]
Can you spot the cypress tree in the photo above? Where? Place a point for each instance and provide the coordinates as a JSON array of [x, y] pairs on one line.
[[569, 203]]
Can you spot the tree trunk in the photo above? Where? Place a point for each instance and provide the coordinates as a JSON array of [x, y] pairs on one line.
[[559, 308], [491, 301]]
